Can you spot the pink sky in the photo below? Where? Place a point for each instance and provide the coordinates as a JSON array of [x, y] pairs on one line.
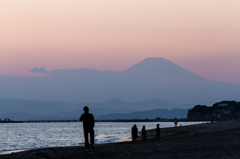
[[202, 36]]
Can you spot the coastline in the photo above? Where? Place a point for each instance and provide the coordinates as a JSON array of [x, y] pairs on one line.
[[115, 120], [10, 152], [208, 140]]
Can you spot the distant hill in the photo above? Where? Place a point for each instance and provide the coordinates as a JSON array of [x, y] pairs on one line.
[[74, 115], [149, 114], [16, 109], [224, 110], [40, 107], [35, 107]]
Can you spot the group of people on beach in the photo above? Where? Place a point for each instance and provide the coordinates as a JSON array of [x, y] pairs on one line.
[[144, 133], [88, 125]]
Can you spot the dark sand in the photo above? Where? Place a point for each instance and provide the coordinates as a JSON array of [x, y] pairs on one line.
[[219, 140]]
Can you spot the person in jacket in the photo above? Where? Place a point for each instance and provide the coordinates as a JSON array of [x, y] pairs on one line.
[[144, 133], [175, 121], [88, 125], [134, 133], [158, 131]]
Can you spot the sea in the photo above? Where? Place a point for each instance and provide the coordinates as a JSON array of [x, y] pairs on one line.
[[16, 137]]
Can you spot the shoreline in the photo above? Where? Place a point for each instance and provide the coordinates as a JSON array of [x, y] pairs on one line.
[[12, 151], [100, 139], [124, 139], [206, 140], [116, 120], [114, 138]]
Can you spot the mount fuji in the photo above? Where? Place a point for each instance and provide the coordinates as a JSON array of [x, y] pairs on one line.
[[152, 78]]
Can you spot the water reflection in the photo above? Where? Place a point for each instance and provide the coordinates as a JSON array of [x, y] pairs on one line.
[[18, 136]]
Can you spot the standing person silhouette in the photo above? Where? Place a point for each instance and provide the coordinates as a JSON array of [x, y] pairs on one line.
[[158, 131], [134, 133], [144, 133], [175, 121], [88, 124]]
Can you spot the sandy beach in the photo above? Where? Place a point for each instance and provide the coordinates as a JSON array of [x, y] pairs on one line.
[[210, 140]]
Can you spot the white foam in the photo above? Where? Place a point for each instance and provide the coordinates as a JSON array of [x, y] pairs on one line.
[[9, 152]]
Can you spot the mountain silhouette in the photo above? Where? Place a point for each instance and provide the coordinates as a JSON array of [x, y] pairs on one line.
[[16, 109], [155, 65], [149, 114], [116, 101], [164, 69], [152, 78]]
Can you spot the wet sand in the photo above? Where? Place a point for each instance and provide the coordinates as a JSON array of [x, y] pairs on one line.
[[217, 140]]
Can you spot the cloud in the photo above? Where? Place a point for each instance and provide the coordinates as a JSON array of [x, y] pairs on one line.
[[38, 70]]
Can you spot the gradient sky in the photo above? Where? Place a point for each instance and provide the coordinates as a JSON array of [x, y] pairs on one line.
[[202, 36]]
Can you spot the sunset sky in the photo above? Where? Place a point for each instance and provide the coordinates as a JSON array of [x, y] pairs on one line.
[[202, 36]]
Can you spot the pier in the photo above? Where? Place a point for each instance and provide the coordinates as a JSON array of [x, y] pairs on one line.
[[42, 121]]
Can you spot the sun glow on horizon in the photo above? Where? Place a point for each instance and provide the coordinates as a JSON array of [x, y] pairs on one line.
[[201, 36]]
